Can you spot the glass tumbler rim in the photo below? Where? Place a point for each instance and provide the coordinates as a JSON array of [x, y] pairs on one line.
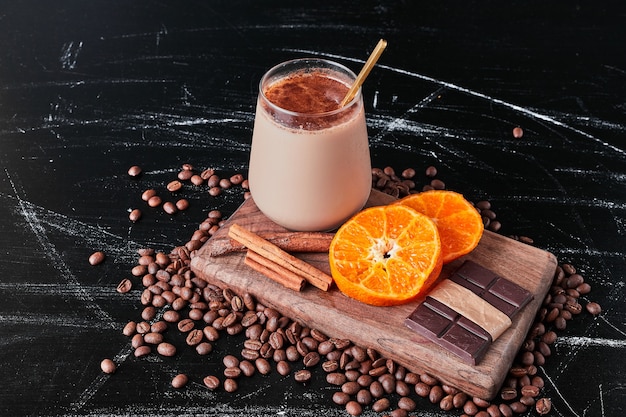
[[292, 62]]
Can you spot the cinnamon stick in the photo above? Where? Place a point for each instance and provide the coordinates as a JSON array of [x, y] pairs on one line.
[[274, 271], [288, 241], [272, 252]]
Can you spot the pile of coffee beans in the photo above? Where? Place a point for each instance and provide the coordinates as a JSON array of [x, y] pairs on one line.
[[209, 178], [387, 181], [175, 300]]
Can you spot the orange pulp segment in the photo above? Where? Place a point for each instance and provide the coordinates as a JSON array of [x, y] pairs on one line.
[[385, 255], [459, 223]]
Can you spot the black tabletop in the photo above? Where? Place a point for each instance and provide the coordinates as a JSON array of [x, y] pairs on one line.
[[88, 89]]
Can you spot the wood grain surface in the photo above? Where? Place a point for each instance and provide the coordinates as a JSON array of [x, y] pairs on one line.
[[382, 328]]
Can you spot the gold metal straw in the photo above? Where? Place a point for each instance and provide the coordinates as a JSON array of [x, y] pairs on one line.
[[371, 61]]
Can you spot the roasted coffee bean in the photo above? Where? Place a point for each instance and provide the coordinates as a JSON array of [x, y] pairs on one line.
[[108, 366], [211, 382], [336, 378], [341, 398], [311, 359], [204, 348], [573, 307], [446, 403], [230, 385], [527, 401], [481, 403], [593, 308], [134, 215], [154, 201], [174, 186], [148, 313], [364, 397], [96, 258], [402, 389], [143, 327], [549, 337], [436, 394], [263, 366], [505, 410], [180, 381], [376, 389], [194, 337], [283, 368], [354, 408], [142, 351], [302, 375], [431, 171], [171, 316], [407, 404], [137, 341], [365, 380], [350, 387], [169, 207], [470, 408], [518, 408], [459, 399], [330, 366], [247, 368], [130, 328], [422, 389], [186, 325], [508, 393], [232, 372], [381, 405], [292, 354], [399, 412], [543, 406], [388, 382], [250, 354], [153, 338], [530, 391], [166, 349]]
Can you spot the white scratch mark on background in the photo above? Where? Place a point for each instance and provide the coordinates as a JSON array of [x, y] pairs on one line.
[[558, 392], [69, 55], [55, 257], [589, 341], [530, 113]]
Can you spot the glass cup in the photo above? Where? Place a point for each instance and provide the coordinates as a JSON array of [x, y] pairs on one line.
[[310, 166]]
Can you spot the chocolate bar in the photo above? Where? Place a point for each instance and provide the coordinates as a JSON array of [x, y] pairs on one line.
[[468, 311]]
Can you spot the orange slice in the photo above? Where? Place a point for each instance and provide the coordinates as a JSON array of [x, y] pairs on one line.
[[459, 223], [385, 255]]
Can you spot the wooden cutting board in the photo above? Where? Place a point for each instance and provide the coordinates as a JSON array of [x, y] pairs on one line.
[[382, 328]]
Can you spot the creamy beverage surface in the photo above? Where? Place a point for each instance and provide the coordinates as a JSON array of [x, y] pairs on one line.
[[309, 165], [309, 93]]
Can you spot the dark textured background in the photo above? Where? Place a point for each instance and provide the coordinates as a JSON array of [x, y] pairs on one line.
[[88, 89]]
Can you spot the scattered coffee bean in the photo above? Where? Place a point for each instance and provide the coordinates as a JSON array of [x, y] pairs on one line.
[[174, 186], [593, 308], [96, 258], [354, 408], [518, 132], [211, 382], [124, 286], [543, 406], [230, 385], [302, 375], [108, 366], [154, 201], [134, 171], [134, 215], [166, 349], [180, 381]]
